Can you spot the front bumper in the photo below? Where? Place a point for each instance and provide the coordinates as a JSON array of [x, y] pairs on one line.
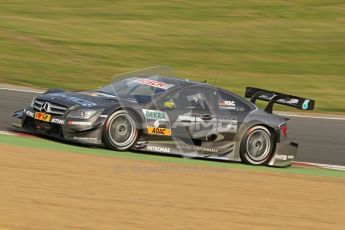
[[81, 131], [284, 154]]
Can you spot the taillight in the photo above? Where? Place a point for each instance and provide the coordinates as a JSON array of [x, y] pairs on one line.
[[283, 130]]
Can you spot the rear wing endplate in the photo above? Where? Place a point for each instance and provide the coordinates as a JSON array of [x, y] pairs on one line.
[[278, 98]]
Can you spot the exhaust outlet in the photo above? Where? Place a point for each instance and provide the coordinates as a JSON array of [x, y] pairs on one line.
[[211, 137]]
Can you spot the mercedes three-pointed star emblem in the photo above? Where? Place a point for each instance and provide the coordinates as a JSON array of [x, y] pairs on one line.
[[45, 107]]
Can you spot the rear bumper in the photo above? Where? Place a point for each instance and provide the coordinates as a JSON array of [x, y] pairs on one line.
[[284, 155]]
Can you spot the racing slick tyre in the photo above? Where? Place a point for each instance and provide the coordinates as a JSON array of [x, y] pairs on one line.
[[120, 131], [256, 146]]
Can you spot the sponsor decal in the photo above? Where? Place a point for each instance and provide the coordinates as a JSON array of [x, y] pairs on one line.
[[155, 115], [154, 83], [29, 113], [159, 131], [42, 116], [81, 123], [58, 121], [199, 148], [227, 104], [284, 157], [292, 101], [266, 97], [85, 138], [217, 124], [158, 149], [290, 157], [281, 157], [305, 104], [156, 124]]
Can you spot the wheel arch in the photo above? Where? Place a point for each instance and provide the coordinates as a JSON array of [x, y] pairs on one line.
[[244, 129], [138, 117]]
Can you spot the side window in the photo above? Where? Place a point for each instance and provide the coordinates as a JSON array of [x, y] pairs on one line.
[[198, 98], [231, 103], [196, 101]]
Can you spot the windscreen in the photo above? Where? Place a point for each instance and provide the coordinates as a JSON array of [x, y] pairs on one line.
[[141, 85]]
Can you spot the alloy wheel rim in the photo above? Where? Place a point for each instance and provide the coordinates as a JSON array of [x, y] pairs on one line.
[[122, 130], [258, 145]]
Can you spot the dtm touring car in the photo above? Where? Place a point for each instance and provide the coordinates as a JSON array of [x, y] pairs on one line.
[[154, 112]]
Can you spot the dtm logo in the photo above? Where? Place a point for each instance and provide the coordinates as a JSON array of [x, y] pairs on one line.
[[45, 107]]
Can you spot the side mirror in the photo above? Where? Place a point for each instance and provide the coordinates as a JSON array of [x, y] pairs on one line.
[[169, 105]]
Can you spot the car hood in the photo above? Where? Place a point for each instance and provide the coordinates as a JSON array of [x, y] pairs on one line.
[[82, 99]]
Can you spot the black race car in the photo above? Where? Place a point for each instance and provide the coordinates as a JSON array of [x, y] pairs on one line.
[[153, 112]]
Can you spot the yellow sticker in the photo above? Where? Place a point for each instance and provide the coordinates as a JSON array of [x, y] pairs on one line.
[[159, 131], [42, 116]]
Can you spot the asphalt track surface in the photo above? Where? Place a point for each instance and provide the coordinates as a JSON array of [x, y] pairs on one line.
[[321, 140]]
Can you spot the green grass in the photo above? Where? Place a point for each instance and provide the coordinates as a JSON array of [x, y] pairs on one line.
[[290, 46], [56, 146]]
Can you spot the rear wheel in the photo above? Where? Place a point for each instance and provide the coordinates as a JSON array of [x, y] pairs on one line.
[[120, 131], [256, 146]]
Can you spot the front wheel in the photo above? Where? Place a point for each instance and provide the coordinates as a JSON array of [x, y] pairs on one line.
[[120, 131], [256, 146]]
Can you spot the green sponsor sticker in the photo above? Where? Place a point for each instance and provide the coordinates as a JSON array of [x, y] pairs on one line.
[[155, 115]]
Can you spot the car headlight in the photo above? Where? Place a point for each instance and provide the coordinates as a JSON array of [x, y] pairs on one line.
[[32, 102], [82, 114]]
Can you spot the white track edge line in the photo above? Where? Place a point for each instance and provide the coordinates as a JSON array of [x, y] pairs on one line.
[[22, 90], [7, 133], [314, 117], [328, 166]]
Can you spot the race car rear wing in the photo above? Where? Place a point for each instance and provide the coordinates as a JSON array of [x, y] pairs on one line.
[[278, 98]]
